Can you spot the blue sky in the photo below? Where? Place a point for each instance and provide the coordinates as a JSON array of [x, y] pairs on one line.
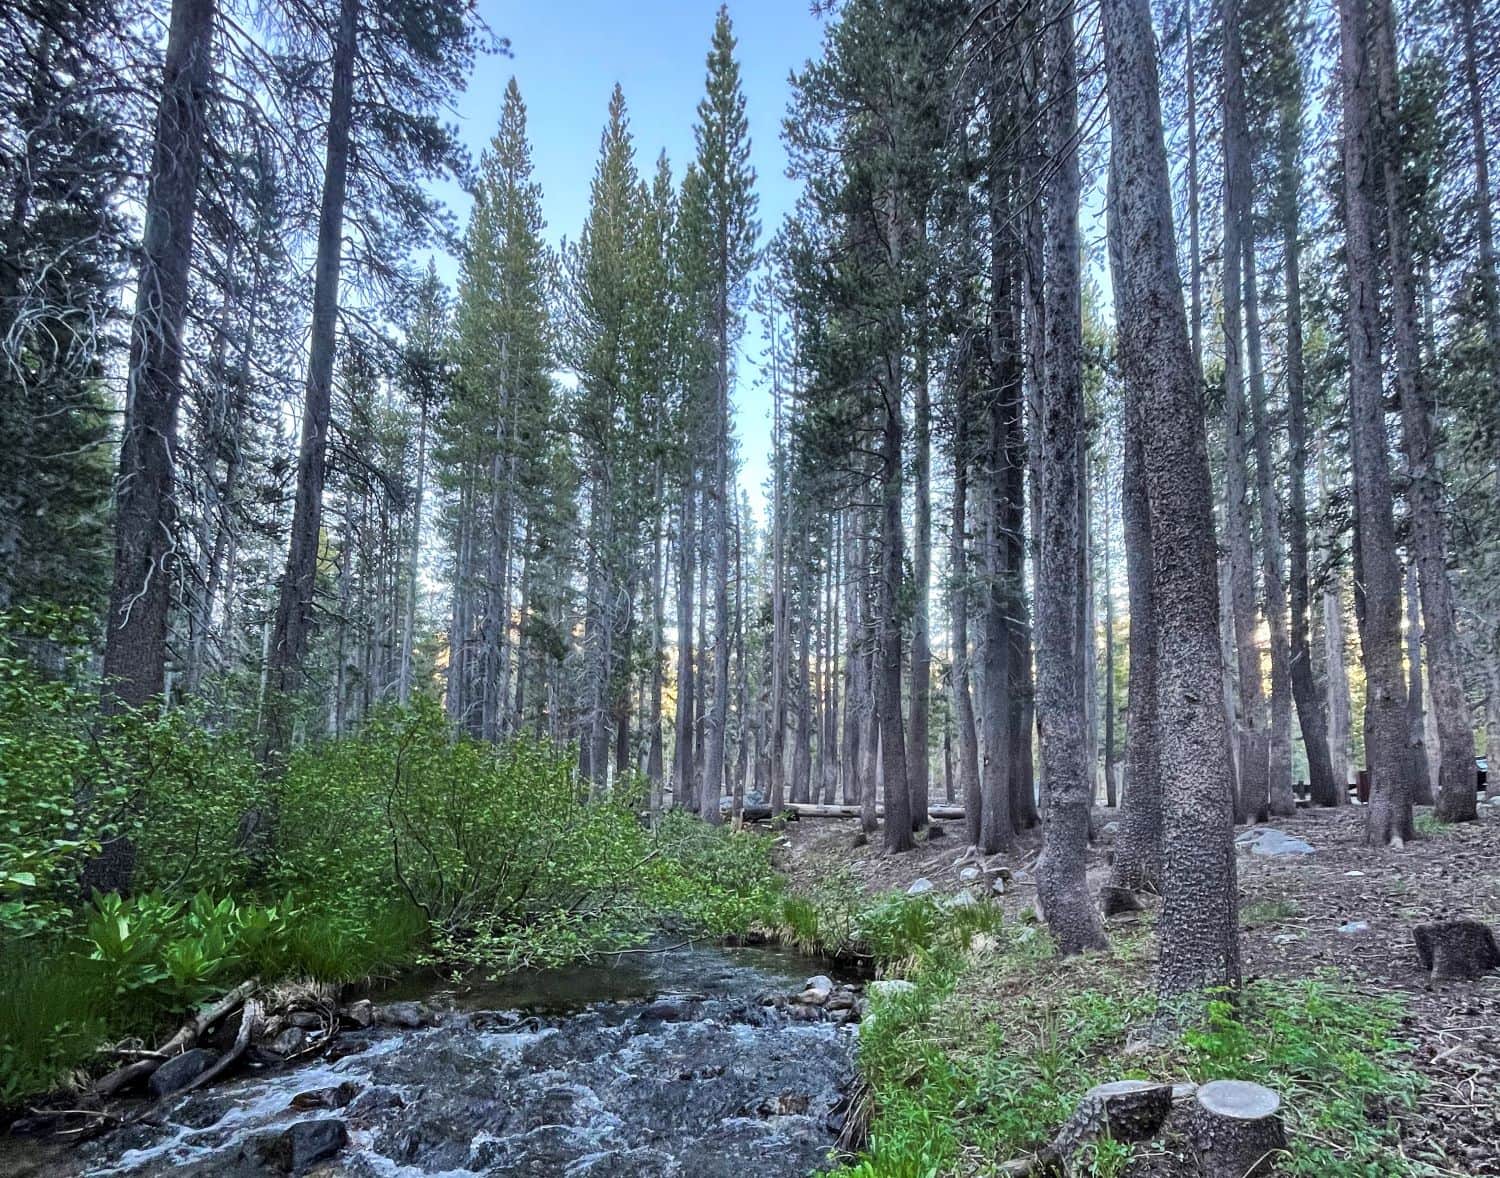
[[567, 55]]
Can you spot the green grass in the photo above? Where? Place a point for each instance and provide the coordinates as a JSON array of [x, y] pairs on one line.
[[987, 1057], [55, 1013], [1272, 910]]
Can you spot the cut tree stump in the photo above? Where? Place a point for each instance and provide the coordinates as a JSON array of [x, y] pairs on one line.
[[1116, 901], [1125, 1110], [1453, 949], [1236, 1129]]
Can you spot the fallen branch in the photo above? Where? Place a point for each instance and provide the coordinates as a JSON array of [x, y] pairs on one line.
[[250, 1021], [187, 1035]]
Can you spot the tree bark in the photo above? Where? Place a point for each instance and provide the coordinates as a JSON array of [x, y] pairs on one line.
[[140, 598], [921, 646], [1199, 921], [1388, 819], [1252, 737], [294, 608], [1138, 850], [1323, 787], [1424, 495], [1062, 888]]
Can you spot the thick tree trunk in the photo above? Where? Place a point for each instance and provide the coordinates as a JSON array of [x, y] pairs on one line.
[[1062, 887], [1199, 921], [1378, 575], [1424, 496], [140, 597], [294, 608], [1138, 851]]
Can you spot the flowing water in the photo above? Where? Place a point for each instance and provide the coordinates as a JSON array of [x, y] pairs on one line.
[[665, 1063]]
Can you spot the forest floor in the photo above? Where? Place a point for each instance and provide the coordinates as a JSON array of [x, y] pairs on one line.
[[1346, 910]]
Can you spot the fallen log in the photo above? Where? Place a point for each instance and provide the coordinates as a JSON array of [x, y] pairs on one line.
[[187, 1035], [810, 810]]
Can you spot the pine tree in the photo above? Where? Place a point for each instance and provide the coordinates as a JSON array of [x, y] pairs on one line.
[[719, 227]]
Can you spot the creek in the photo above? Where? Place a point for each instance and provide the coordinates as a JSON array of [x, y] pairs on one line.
[[682, 1062]]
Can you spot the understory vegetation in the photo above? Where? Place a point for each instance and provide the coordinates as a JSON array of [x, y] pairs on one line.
[[401, 846], [984, 1058]]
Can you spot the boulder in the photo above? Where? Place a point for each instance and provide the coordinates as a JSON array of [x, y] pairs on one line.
[[289, 1042], [970, 874], [1354, 928], [360, 1014], [336, 1097], [821, 987], [1453, 949], [889, 987], [302, 1146], [180, 1071], [410, 1015], [920, 887]]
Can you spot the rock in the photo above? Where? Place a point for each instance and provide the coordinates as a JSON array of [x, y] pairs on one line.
[[920, 887], [180, 1071], [1236, 1129], [1110, 830], [302, 1146], [842, 1000], [998, 887], [1266, 840], [889, 987], [1353, 874], [822, 986], [289, 1042], [1354, 927], [964, 899], [361, 1013], [308, 1020], [1453, 949], [665, 1010], [970, 874], [336, 1097], [410, 1015]]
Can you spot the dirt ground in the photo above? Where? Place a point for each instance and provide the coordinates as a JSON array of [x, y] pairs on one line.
[[1346, 907]]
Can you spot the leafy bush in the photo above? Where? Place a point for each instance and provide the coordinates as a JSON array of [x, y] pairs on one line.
[[179, 953]]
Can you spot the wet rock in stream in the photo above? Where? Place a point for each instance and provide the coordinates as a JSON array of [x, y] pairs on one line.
[[718, 1087]]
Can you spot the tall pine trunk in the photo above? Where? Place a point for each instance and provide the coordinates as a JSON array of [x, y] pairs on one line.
[[1199, 920], [1424, 495], [1388, 819], [294, 608], [1062, 886], [140, 597]]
